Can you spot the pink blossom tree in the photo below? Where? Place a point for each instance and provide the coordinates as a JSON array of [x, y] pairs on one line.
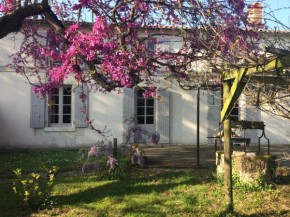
[[114, 50]]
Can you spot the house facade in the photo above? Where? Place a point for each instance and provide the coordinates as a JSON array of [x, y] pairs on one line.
[[31, 121]]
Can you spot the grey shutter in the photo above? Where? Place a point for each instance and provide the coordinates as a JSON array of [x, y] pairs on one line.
[[151, 46], [163, 126], [37, 110], [128, 108], [213, 114], [80, 118], [252, 115]]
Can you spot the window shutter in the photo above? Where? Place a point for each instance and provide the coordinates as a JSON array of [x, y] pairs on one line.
[[80, 118], [213, 113], [37, 110], [151, 46], [252, 115], [128, 109], [163, 116]]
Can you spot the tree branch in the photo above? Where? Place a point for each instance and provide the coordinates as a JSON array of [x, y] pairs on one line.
[[12, 22]]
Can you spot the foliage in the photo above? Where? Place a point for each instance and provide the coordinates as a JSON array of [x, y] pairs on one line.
[[35, 160], [31, 190], [137, 133], [134, 131], [239, 184], [116, 49], [100, 160], [158, 192]]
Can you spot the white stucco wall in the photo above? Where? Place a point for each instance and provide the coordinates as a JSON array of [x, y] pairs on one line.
[[107, 110], [104, 109]]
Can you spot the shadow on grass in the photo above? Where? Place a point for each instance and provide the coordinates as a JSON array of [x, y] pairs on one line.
[[122, 188], [265, 214], [116, 191]]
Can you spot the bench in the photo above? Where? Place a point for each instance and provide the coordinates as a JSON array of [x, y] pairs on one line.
[[244, 125], [246, 141], [252, 125]]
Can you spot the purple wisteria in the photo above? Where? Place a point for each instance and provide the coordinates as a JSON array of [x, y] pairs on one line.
[[96, 157]]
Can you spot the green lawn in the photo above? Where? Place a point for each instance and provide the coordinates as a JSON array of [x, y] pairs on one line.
[[141, 193], [33, 161]]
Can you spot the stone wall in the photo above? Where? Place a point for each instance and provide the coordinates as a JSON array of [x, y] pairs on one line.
[[249, 166]]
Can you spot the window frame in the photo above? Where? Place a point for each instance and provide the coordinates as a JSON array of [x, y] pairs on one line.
[[61, 105], [137, 97]]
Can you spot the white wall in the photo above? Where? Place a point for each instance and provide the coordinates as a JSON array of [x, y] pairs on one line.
[[15, 128], [107, 110], [104, 109]]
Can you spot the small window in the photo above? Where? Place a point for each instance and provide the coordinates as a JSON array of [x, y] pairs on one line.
[[235, 112], [145, 109], [60, 106], [151, 46]]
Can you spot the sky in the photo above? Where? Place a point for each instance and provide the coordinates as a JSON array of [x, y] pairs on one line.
[[282, 15]]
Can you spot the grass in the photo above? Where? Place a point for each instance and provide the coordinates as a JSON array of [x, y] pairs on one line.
[[147, 193], [33, 161]]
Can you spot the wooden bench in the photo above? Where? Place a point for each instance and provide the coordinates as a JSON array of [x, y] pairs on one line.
[[244, 125], [252, 125], [246, 141]]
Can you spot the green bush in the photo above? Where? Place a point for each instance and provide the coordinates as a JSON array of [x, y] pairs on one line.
[[33, 190]]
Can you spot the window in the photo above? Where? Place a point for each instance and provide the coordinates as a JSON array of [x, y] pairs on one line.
[[60, 106], [235, 112], [234, 115], [145, 109]]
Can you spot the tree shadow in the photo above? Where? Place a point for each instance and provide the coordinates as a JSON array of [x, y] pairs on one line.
[[121, 188], [225, 213]]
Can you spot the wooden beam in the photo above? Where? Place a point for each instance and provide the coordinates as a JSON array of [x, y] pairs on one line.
[[274, 64], [269, 80], [236, 90], [278, 51]]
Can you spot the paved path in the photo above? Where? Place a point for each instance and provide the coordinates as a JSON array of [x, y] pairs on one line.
[[185, 156]]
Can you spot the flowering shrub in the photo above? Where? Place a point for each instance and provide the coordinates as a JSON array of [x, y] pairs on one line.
[[99, 159], [155, 138], [138, 134], [137, 155], [134, 131], [32, 192]]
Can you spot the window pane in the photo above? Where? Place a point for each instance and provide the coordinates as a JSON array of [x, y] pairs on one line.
[[54, 100], [66, 99], [140, 111], [66, 119], [54, 119], [149, 111], [67, 91], [66, 109], [140, 102], [149, 102], [235, 111], [234, 118], [54, 109], [151, 46], [55, 91], [140, 120], [149, 119], [140, 93]]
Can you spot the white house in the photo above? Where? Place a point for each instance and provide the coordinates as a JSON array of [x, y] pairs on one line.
[[27, 121]]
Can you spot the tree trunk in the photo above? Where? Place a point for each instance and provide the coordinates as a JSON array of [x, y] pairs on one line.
[[228, 154]]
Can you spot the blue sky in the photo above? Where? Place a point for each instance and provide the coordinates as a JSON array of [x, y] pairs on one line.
[[282, 15]]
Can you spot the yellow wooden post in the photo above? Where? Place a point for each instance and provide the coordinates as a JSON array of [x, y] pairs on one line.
[[228, 153]]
